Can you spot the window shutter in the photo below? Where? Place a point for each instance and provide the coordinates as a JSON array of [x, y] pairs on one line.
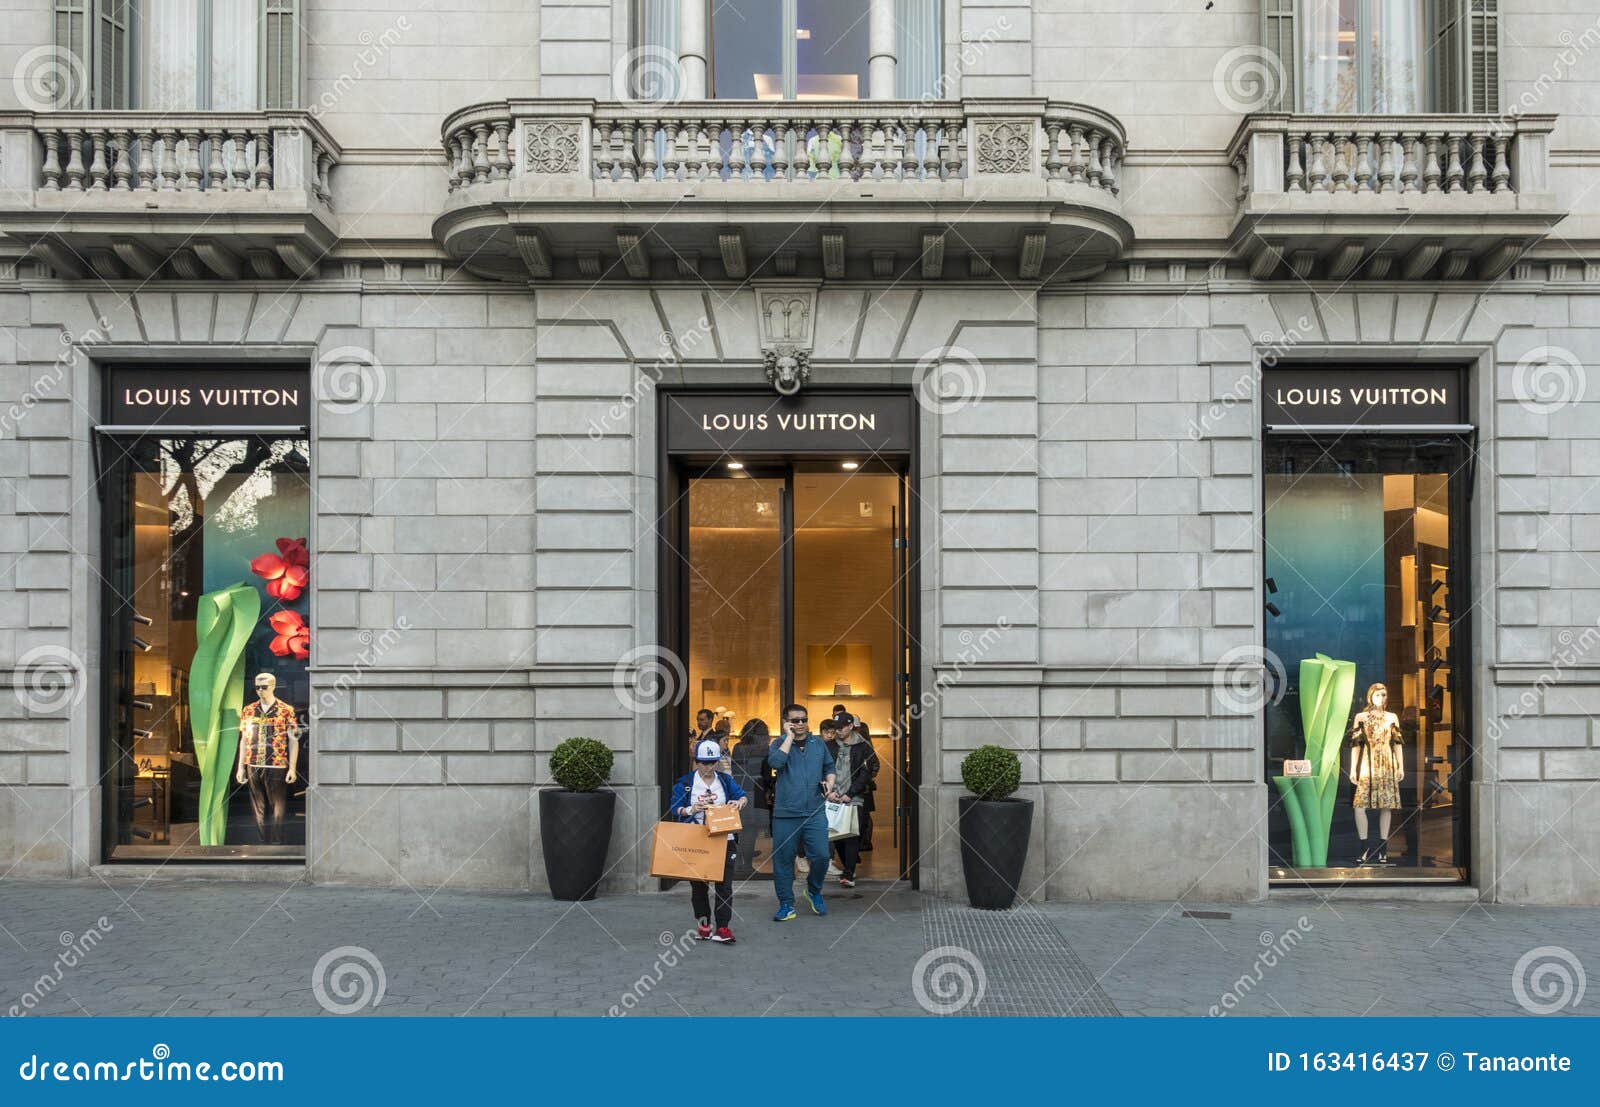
[[111, 53], [72, 43], [1278, 36], [280, 53], [1448, 54], [1483, 38]]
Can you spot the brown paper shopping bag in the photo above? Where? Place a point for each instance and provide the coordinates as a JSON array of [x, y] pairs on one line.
[[684, 851], [723, 818]]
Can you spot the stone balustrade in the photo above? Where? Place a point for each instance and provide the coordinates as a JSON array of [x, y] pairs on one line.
[[122, 193], [1458, 196], [905, 142]]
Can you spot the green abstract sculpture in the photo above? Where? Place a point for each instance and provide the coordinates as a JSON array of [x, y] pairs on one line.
[[224, 622], [1326, 688]]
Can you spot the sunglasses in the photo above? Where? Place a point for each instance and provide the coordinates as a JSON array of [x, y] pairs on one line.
[[798, 722]]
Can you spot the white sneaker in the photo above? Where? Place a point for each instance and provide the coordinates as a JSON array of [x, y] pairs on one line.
[[802, 865], [835, 870]]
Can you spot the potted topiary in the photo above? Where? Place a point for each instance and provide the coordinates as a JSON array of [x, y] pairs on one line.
[[575, 818], [994, 827]]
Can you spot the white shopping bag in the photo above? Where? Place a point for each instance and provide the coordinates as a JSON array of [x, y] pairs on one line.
[[843, 821]]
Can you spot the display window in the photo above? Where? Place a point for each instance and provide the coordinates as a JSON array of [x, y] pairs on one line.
[[208, 578], [1367, 739]]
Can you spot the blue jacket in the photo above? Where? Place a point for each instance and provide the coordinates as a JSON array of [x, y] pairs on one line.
[[684, 788], [797, 791]]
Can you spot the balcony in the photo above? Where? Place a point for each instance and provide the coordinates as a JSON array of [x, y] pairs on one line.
[[186, 195], [1391, 196], [1021, 189]]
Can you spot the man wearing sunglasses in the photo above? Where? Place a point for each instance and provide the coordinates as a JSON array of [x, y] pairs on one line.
[[804, 783]]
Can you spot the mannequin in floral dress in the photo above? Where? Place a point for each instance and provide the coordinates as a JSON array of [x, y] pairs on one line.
[[1377, 765]]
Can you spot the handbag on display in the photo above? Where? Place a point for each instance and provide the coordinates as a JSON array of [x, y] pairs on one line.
[[844, 821]]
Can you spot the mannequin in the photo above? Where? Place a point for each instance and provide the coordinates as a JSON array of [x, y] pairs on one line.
[[269, 750], [1377, 765]]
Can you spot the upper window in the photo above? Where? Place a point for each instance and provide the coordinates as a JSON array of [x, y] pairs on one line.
[[178, 55], [1387, 57]]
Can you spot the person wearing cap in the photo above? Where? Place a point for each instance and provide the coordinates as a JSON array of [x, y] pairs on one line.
[[691, 795]]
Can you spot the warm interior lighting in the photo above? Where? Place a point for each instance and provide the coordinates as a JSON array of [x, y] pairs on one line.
[[803, 34], [849, 464], [736, 465]]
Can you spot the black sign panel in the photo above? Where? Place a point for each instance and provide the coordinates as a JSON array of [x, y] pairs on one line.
[[1362, 396], [255, 397], [810, 422]]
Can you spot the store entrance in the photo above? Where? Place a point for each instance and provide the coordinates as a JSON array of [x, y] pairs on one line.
[[790, 580]]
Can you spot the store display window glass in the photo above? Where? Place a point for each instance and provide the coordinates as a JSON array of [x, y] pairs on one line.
[[208, 583], [1368, 745]]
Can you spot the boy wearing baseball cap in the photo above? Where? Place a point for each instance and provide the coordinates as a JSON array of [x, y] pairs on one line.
[[691, 795]]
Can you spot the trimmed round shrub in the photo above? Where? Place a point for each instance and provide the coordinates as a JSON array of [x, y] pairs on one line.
[[991, 772], [581, 764]]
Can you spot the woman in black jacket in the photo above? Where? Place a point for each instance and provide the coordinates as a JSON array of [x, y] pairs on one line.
[[749, 770]]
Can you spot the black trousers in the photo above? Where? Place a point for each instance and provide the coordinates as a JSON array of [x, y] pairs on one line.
[[849, 851], [269, 800], [700, 891]]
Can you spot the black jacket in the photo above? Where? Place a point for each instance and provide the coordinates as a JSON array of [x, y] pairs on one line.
[[863, 769]]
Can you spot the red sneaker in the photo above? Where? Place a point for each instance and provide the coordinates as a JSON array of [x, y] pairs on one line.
[[723, 934], [704, 932]]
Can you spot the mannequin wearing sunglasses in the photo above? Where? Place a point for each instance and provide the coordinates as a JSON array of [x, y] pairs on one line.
[[269, 750]]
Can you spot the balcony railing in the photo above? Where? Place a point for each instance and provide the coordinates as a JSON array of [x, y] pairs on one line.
[[777, 167], [1466, 193], [124, 193]]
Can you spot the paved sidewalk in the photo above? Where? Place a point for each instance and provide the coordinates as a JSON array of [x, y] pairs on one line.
[[200, 948]]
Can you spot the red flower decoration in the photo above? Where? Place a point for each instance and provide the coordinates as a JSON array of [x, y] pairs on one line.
[[292, 636], [287, 572]]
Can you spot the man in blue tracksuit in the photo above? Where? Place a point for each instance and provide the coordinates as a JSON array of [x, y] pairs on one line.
[[804, 769]]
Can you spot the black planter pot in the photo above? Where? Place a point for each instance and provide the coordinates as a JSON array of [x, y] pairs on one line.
[[575, 831], [994, 846]]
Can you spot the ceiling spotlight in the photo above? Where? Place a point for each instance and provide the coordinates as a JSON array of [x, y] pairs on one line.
[[736, 465], [141, 645], [1272, 609], [849, 464], [143, 620], [1272, 586]]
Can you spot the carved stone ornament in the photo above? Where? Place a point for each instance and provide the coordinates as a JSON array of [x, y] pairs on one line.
[[552, 148], [1005, 146], [788, 369]]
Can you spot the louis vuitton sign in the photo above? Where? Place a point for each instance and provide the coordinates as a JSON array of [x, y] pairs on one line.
[[1359, 396], [145, 396], [810, 422]]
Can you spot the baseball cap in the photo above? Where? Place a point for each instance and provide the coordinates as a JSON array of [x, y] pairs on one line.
[[708, 751]]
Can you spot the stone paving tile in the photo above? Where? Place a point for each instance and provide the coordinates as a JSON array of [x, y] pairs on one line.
[[202, 948]]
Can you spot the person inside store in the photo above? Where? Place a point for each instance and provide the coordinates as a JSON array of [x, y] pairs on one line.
[[803, 782], [855, 764], [708, 786], [749, 770], [705, 729]]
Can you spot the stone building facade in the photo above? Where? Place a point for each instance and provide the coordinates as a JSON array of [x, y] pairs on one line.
[[1082, 251]]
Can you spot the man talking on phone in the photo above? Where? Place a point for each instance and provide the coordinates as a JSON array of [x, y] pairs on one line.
[[804, 783]]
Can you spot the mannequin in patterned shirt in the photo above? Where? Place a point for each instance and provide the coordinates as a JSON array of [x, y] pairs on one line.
[[269, 750]]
